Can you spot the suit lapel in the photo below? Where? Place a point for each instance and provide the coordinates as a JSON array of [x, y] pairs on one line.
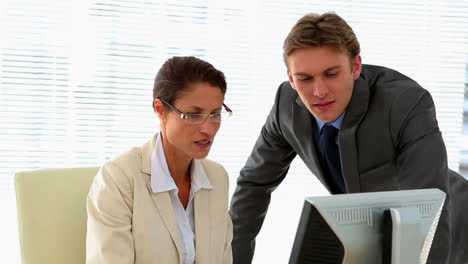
[[202, 208], [304, 125], [347, 136]]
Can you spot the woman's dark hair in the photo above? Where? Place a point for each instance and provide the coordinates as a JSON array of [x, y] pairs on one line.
[[178, 73]]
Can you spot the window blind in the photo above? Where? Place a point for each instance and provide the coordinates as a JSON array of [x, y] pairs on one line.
[[76, 80]]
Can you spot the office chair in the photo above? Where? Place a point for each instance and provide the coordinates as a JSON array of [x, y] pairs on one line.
[[52, 214]]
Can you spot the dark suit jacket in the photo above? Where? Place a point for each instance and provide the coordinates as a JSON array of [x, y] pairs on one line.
[[389, 140]]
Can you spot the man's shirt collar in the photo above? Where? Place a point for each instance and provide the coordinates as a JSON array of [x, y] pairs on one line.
[[337, 123]]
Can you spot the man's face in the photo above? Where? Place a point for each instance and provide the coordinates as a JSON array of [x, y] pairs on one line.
[[324, 79]]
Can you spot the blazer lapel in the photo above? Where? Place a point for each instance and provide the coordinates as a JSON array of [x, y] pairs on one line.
[[203, 230], [163, 203], [347, 136], [303, 124], [162, 200]]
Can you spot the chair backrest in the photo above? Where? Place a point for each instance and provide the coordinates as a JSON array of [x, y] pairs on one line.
[[52, 214]]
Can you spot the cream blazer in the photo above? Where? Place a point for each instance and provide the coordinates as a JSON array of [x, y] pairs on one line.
[[128, 223]]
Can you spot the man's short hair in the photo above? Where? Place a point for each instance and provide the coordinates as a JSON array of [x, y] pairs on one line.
[[314, 30]]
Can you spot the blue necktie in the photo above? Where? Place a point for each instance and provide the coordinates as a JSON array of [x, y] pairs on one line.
[[330, 155]]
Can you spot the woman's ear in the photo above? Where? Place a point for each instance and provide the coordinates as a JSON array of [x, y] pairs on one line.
[[159, 108]]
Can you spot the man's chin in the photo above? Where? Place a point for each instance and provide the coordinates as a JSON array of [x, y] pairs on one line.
[[326, 118]]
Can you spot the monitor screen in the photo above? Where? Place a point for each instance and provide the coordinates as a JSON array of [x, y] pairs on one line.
[[368, 228]]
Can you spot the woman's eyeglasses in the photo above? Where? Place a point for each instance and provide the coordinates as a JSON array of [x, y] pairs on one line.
[[197, 119]]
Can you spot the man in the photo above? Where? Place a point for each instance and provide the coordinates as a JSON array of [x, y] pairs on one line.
[[358, 128]]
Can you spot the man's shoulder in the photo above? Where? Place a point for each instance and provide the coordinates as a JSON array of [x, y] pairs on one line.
[[285, 93], [286, 88], [392, 94], [387, 81], [379, 73]]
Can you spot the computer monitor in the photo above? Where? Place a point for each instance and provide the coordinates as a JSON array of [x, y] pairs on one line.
[[392, 227]]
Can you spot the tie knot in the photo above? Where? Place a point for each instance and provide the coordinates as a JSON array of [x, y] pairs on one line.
[[329, 132]]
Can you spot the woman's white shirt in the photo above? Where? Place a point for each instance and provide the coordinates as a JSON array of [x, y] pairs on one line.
[[161, 181]]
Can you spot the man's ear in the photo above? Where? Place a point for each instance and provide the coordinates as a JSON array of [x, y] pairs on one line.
[[357, 67], [291, 80]]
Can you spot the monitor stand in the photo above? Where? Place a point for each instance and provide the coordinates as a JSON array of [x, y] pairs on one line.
[[401, 238]]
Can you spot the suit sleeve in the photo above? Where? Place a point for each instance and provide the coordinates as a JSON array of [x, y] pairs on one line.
[[109, 205], [422, 161], [264, 170]]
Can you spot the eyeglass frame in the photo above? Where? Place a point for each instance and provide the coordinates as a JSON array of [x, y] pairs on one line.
[[185, 117]]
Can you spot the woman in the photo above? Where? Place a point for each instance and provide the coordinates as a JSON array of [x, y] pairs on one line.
[[163, 202]]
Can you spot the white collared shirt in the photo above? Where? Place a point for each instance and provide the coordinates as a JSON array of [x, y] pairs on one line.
[[161, 181]]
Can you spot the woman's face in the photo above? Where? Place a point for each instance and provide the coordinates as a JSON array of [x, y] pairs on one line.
[[192, 140]]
